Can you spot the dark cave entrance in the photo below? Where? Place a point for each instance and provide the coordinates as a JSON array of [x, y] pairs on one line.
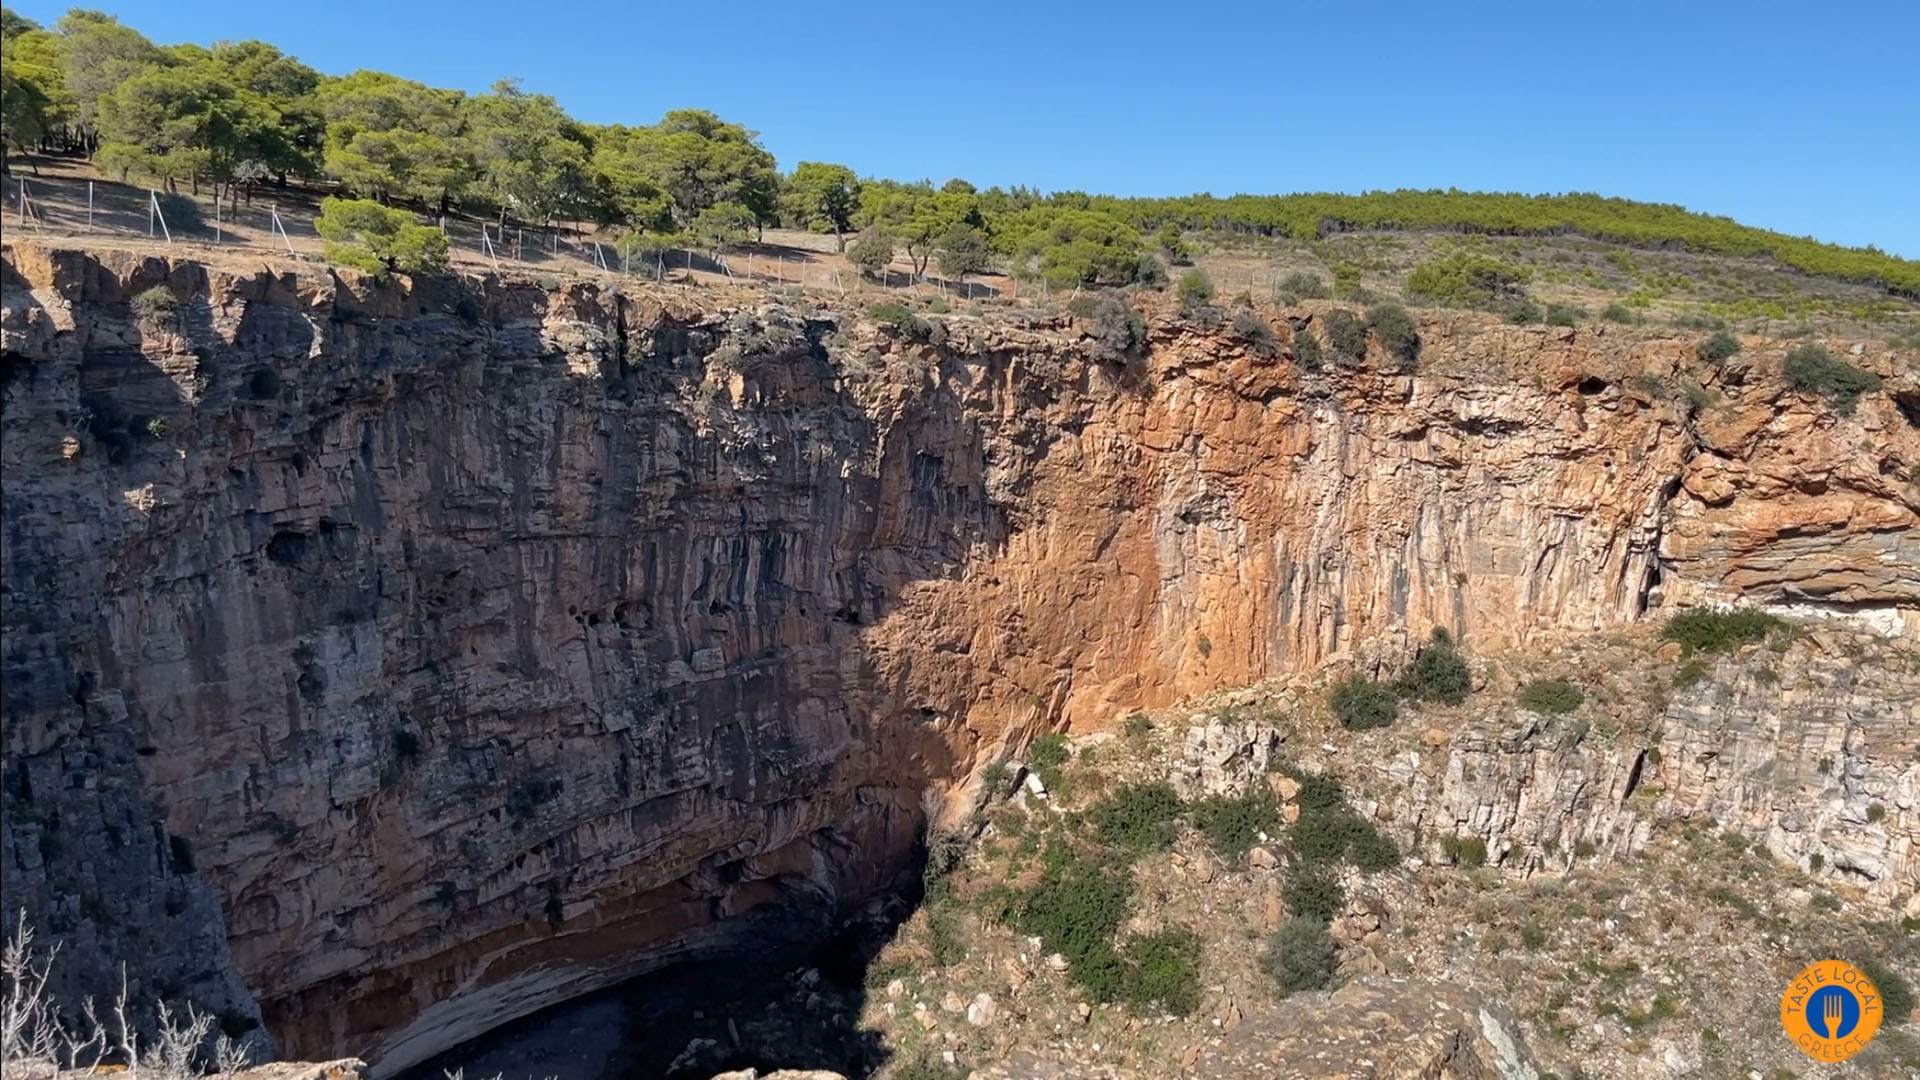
[[790, 999]]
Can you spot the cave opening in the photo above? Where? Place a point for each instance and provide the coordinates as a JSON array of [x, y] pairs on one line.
[[789, 995]]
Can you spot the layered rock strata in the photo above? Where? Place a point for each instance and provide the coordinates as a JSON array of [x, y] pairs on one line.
[[483, 644]]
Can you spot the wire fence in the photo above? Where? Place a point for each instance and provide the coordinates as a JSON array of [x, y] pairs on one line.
[[57, 207], [279, 223]]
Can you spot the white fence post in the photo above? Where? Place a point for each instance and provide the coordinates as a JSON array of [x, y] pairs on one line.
[[154, 214]]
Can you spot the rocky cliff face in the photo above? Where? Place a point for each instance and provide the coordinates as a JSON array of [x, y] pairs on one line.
[[1811, 751], [482, 645]]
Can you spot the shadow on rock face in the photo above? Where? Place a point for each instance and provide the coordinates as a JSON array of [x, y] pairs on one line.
[[791, 1001]]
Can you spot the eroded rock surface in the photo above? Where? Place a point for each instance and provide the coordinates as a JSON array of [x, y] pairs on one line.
[[485, 645]]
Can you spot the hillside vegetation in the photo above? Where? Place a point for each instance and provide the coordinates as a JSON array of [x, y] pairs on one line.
[[240, 116]]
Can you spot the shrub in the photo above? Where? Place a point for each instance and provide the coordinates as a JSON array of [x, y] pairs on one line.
[[156, 305], [1564, 314], [1709, 631], [1117, 328], [946, 938], [1896, 993], [1347, 337], [1075, 909], [1163, 969], [1312, 892], [1299, 286], [1466, 279], [1719, 347], [1173, 245], [871, 252], [365, 235], [1371, 850], [1323, 837], [1249, 327], [1397, 333], [1149, 272], [1049, 751], [1346, 283], [1306, 349], [1137, 726], [1231, 826], [1619, 313], [1138, 818], [1521, 311], [893, 313], [1195, 290], [1552, 697], [1300, 956], [1699, 320], [1360, 704], [1439, 672], [1813, 369], [1877, 812], [1468, 851]]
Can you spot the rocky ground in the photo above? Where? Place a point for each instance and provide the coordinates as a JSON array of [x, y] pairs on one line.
[[1662, 961]]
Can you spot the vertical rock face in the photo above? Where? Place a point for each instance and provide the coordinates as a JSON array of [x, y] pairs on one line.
[[1811, 751], [485, 645]]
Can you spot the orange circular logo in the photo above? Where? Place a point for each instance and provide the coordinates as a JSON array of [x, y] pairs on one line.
[[1831, 1011]]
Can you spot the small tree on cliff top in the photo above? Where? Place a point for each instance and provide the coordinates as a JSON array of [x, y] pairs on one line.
[[363, 234]]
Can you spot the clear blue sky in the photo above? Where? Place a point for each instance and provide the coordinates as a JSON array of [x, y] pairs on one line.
[[1792, 116]]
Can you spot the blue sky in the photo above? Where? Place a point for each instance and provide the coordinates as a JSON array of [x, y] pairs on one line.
[[1799, 117]]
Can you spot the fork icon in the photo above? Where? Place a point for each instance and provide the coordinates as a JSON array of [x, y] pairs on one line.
[[1834, 1014]]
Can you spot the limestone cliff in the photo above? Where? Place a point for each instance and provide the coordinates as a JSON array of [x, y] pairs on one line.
[[483, 644]]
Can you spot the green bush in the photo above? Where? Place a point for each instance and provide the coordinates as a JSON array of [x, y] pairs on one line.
[[1163, 970], [1813, 369], [1564, 314], [1467, 851], [1619, 313], [871, 252], [1300, 956], [1299, 286], [1306, 349], [1195, 290], [1439, 672], [1049, 751], [1896, 993], [1709, 631], [1324, 836], [1699, 320], [1396, 332], [1521, 311], [1347, 337], [1075, 909], [1551, 697], [1138, 818], [1232, 826], [946, 938], [1361, 704], [1370, 850], [1174, 245], [1466, 279], [378, 239], [156, 305], [1149, 272], [1249, 327], [1312, 892], [1719, 347], [894, 314], [1118, 330], [1137, 726], [1317, 792]]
